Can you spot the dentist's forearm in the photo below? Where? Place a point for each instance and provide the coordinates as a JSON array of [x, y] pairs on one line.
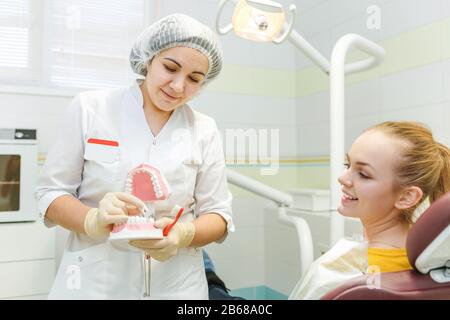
[[208, 228], [68, 212]]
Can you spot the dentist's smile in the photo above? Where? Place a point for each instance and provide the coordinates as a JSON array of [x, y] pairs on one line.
[[169, 97]]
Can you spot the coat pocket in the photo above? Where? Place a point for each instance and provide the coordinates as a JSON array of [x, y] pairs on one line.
[[101, 150], [182, 277], [101, 162], [81, 274]]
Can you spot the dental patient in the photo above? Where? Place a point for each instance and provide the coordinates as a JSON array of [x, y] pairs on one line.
[[391, 169]]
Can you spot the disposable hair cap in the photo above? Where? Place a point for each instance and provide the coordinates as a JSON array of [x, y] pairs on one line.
[[173, 31]]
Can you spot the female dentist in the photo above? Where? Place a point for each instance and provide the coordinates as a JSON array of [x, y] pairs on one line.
[[107, 133]]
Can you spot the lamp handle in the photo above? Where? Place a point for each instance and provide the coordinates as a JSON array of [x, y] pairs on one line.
[[229, 27], [280, 39]]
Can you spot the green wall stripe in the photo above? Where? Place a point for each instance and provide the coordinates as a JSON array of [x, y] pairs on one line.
[[238, 79], [418, 47], [410, 50], [287, 178], [284, 180]]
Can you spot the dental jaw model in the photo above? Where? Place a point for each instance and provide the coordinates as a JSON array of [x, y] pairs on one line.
[[137, 227], [148, 184]]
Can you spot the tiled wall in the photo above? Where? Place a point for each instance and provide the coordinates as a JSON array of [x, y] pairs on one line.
[[409, 85]]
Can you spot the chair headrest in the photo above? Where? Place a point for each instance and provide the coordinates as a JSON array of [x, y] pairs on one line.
[[428, 242]]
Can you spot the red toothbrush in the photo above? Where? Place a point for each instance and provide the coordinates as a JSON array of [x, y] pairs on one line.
[[168, 227]]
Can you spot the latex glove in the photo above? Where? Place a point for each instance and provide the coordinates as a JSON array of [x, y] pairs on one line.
[[180, 236], [113, 208]]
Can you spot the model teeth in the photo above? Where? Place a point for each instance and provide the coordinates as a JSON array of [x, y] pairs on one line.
[[157, 190], [137, 220]]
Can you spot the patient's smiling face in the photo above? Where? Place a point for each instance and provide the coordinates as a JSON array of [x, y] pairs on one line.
[[369, 180]]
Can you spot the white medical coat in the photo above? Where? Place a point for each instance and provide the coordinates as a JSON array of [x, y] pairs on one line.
[[188, 150]]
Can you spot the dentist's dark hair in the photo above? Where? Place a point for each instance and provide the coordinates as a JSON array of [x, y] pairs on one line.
[[425, 163]]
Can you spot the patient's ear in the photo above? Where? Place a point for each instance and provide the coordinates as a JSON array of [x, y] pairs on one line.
[[408, 198]]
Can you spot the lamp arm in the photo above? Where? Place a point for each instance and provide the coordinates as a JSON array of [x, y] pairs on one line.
[[227, 28], [372, 49], [290, 26], [259, 188], [310, 51]]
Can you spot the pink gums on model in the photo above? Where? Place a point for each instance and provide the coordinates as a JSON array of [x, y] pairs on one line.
[[147, 183], [135, 224]]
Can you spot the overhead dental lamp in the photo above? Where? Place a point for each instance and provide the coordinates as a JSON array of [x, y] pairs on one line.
[[258, 20], [265, 20]]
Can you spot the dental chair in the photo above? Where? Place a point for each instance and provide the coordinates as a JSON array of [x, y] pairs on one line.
[[428, 248]]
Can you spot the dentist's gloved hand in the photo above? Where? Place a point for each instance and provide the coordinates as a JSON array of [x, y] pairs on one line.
[[113, 208], [180, 236]]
